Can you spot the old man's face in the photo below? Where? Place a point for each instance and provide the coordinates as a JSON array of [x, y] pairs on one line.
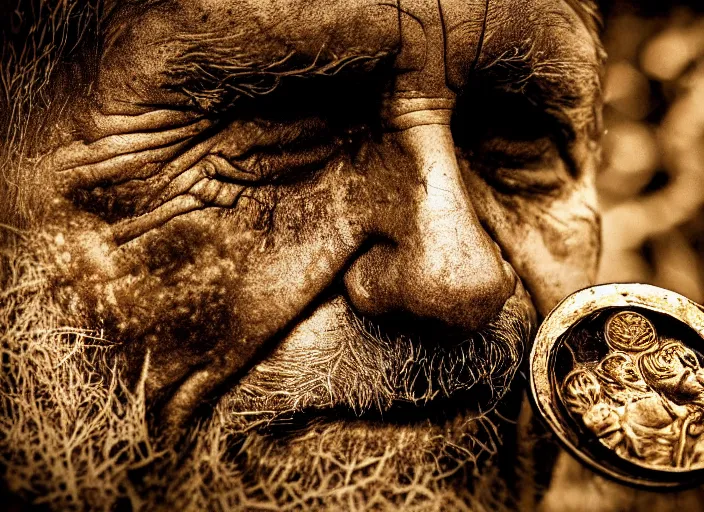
[[338, 218]]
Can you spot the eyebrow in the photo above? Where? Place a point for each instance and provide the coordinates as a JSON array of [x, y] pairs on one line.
[[224, 72], [560, 82], [567, 89], [216, 79]]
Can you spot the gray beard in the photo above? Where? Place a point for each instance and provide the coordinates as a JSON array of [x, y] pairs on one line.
[[74, 435]]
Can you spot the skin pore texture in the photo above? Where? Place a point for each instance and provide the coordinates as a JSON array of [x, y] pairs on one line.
[[318, 237]]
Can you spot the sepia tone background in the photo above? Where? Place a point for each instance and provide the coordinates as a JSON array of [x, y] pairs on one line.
[[652, 183], [651, 187]]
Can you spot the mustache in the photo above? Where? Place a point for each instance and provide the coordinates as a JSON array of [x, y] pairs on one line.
[[358, 370]]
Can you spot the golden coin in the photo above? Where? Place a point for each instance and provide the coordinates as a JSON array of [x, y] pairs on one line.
[[617, 373]]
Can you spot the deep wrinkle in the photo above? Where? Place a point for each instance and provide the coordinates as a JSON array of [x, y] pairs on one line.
[[482, 34]]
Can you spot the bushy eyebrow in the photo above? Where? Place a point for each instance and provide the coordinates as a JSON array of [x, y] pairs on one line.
[[566, 85], [557, 66], [525, 68], [213, 71]]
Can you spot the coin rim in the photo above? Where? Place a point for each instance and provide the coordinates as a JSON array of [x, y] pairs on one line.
[[565, 315]]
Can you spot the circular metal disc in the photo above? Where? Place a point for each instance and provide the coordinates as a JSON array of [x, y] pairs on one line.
[[616, 372]]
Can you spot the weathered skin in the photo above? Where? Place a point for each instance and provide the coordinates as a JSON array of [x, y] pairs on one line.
[[420, 168]]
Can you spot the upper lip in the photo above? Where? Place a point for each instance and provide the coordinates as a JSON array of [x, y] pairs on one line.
[[348, 373]]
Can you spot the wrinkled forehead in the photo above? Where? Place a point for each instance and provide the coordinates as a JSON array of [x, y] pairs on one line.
[[452, 36]]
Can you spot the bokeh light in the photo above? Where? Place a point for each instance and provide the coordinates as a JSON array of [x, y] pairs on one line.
[[652, 180]]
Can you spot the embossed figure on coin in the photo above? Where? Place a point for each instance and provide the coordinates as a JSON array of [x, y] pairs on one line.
[[645, 398]]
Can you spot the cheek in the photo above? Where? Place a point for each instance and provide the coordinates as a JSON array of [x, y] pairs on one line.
[[171, 292], [210, 283], [552, 243], [171, 288]]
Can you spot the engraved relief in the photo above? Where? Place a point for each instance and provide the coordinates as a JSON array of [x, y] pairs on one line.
[[644, 399]]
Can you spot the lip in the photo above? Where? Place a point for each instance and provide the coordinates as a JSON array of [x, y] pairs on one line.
[[440, 413]]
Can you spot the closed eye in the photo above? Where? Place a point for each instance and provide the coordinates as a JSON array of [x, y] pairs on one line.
[[277, 151], [511, 142], [272, 164]]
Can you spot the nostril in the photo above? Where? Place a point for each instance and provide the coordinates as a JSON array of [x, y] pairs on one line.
[[465, 303], [464, 286], [429, 331], [368, 282]]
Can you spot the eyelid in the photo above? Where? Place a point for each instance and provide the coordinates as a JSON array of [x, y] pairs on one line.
[[266, 164], [80, 154], [241, 137], [215, 165], [541, 174], [528, 156], [544, 181]]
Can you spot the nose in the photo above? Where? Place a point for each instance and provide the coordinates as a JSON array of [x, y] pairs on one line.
[[432, 260]]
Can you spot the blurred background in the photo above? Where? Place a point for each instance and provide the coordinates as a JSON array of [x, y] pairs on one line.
[[652, 182], [651, 190]]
